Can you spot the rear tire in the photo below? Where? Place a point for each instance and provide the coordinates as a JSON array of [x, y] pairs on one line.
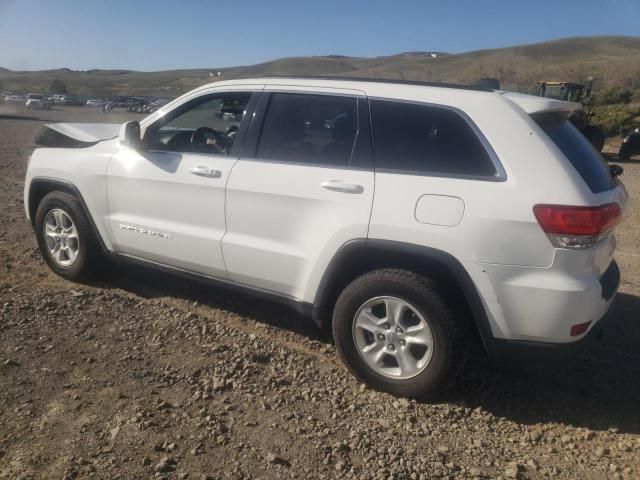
[[66, 238], [417, 352]]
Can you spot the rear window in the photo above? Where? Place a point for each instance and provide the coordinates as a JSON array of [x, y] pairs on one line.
[[583, 156]]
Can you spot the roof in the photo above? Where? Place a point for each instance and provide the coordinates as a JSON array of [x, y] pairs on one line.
[[350, 83], [457, 96], [477, 88]]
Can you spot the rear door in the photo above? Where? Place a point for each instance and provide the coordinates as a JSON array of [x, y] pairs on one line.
[[303, 187]]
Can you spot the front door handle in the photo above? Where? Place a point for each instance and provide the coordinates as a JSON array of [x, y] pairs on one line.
[[342, 187], [203, 171]]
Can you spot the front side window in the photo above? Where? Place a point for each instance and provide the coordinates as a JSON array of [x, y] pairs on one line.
[[427, 139], [314, 129], [205, 125]]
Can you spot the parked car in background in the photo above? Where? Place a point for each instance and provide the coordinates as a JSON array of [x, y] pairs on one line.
[[121, 102], [139, 105], [71, 100], [156, 104], [95, 102], [38, 101], [15, 98]]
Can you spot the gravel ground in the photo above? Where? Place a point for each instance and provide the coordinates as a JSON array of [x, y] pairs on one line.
[[150, 376]]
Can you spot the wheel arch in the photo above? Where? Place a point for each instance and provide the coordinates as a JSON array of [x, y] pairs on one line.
[[41, 186], [363, 255]]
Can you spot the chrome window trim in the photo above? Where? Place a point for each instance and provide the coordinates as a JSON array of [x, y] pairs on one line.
[[197, 154], [307, 164]]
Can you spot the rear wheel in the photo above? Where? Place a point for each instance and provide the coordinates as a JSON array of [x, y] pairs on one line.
[[395, 331], [65, 237]]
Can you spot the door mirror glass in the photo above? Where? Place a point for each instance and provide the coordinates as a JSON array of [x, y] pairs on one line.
[[130, 135]]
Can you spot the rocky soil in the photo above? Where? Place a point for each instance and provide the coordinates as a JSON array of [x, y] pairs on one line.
[[141, 375]]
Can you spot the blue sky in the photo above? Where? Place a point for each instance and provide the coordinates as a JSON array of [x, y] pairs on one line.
[[160, 34]]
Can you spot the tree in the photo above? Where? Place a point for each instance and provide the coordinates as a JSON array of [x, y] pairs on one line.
[[57, 86]]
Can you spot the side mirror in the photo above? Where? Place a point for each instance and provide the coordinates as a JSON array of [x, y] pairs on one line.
[[130, 135]]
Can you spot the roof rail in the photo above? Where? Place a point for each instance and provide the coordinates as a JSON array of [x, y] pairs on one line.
[[478, 88]]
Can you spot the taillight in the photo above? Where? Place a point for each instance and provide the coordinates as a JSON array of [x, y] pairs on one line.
[[577, 227]]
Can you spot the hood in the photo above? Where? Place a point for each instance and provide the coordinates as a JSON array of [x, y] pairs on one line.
[[75, 135]]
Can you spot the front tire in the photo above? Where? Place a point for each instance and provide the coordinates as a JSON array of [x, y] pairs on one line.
[[396, 331], [65, 237]]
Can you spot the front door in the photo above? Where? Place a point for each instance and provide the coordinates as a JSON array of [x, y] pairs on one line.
[[303, 188], [166, 202]]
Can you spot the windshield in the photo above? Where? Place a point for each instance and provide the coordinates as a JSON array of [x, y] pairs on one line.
[[585, 159]]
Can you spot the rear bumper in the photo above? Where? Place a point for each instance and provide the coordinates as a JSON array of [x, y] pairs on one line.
[[536, 351], [543, 304], [522, 351]]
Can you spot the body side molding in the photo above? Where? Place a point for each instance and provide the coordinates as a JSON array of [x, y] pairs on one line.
[[299, 306]]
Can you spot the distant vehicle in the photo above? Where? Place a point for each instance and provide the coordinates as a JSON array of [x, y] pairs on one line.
[[38, 101], [107, 107], [139, 105], [15, 98], [122, 102], [70, 100], [630, 145], [95, 102], [155, 105], [581, 118], [58, 98]]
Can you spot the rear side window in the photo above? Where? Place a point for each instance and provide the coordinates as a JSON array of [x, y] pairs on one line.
[[427, 139], [585, 159], [314, 129]]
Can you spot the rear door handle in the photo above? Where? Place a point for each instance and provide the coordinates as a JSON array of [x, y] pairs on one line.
[[342, 187], [203, 171]]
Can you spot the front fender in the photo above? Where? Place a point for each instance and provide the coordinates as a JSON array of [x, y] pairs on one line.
[[80, 172]]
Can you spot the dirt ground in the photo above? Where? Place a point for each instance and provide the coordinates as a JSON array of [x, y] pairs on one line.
[[143, 375]]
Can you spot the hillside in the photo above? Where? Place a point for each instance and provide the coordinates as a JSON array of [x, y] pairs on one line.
[[612, 61]]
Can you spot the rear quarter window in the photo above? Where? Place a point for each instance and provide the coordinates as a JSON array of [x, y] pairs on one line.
[[581, 154], [427, 139]]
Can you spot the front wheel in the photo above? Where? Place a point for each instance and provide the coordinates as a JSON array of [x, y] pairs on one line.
[[65, 237], [395, 330]]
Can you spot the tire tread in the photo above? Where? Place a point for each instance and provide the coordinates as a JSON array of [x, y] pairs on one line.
[[455, 330]]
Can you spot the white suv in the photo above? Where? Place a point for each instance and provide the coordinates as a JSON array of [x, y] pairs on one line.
[[412, 217], [37, 101]]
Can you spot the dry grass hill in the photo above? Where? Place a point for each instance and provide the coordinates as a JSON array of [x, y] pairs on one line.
[[612, 61]]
